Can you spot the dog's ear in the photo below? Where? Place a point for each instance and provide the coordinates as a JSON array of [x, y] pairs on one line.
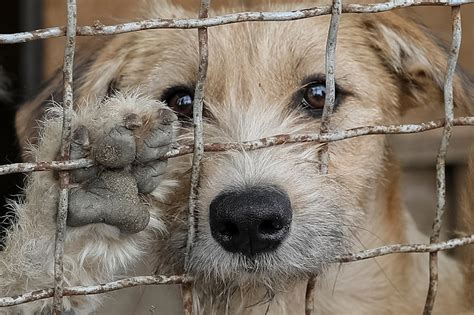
[[31, 112], [418, 61]]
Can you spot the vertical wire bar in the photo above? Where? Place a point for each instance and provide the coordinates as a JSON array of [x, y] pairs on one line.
[[187, 292], [441, 158], [198, 147], [68, 100], [330, 64], [309, 297]]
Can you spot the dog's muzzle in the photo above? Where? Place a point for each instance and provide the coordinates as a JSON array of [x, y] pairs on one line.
[[250, 221]]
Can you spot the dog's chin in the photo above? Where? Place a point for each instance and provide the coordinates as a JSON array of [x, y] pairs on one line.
[[314, 243], [269, 271]]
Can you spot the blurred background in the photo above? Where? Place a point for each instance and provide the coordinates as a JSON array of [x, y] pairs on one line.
[[28, 65]]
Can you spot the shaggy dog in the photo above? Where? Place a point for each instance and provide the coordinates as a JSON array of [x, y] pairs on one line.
[[266, 219]]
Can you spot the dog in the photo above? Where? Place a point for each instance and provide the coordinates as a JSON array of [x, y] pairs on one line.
[[267, 219]]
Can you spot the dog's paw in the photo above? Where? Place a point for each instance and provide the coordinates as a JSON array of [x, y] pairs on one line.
[[127, 150]]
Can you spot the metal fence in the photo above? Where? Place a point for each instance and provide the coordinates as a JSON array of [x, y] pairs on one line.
[[199, 147]]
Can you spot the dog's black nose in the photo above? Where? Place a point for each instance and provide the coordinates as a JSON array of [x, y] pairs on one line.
[[250, 221]]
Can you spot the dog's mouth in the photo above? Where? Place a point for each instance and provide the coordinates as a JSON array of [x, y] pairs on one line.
[[294, 259], [270, 270], [254, 236]]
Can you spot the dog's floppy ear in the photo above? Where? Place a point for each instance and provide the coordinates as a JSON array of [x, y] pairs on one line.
[[31, 112], [418, 60]]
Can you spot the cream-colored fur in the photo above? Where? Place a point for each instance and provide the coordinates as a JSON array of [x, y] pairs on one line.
[[386, 64], [93, 254]]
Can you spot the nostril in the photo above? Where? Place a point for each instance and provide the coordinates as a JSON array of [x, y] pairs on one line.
[[229, 230], [270, 227], [250, 221]]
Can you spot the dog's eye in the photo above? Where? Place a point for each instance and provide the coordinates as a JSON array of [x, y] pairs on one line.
[[314, 95], [311, 97], [180, 100]]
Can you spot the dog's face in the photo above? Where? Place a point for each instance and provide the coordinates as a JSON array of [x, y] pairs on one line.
[[269, 216]]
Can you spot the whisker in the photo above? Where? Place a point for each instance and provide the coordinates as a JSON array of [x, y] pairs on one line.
[[337, 276], [365, 230], [383, 272]]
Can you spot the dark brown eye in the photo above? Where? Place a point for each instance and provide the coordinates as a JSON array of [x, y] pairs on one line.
[[314, 96], [181, 101], [311, 97]]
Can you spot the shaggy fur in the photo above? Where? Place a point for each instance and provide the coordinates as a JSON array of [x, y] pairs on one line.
[[385, 65]]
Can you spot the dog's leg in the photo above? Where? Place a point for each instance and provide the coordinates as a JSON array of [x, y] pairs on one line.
[[111, 220]]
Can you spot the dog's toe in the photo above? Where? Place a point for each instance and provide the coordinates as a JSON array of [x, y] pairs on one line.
[[156, 141], [116, 149], [80, 148], [148, 175]]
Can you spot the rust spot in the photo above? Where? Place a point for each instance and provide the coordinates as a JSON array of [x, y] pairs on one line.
[[98, 25]]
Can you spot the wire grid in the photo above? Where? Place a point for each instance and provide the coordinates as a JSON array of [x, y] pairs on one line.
[[199, 147]]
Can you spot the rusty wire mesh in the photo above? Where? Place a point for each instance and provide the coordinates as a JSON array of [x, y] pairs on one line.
[[324, 136]]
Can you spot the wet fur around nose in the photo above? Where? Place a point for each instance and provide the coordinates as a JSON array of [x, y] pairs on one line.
[[254, 89]]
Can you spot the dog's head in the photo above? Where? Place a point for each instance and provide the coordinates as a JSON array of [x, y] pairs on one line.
[[269, 216]]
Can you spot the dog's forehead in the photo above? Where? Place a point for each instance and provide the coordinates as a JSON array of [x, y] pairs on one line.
[[264, 44], [294, 48], [280, 55], [265, 50]]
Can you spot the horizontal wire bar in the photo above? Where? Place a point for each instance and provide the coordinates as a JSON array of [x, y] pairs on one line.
[[252, 145], [100, 29], [45, 166], [94, 289], [407, 248], [162, 280]]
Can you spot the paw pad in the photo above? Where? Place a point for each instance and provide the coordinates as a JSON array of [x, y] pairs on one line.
[[128, 164]]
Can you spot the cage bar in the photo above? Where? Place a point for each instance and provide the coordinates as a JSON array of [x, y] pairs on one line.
[[100, 29], [68, 100], [441, 158], [323, 138], [164, 280], [198, 149], [330, 68], [284, 139]]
